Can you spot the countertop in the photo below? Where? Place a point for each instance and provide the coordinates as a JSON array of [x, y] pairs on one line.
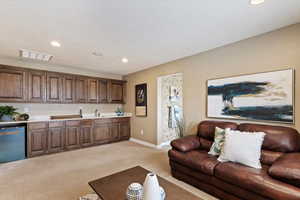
[[47, 118]]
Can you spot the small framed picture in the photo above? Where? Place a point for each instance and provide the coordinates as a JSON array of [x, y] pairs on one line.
[[141, 100]]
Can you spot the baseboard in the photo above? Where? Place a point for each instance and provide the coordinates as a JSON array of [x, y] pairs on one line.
[[164, 145], [148, 144]]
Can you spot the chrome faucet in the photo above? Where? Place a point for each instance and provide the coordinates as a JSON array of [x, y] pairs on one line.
[[96, 113], [80, 113]]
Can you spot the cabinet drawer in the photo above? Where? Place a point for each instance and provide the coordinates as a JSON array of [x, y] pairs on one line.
[[123, 119], [102, 121], [56, 124], [73, 123], [38, 125], [86, 122]]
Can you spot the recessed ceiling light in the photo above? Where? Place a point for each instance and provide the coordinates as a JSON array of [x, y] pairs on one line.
[[256, 2], [55, 43], [124, 60]]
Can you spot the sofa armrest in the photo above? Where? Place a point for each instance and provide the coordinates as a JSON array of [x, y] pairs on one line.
[[187, 143], [287, 169]]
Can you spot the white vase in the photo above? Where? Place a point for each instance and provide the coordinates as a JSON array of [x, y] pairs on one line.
[[151, 188]]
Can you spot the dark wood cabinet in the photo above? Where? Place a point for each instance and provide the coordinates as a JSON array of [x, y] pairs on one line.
[[81, 90], [117, 92], [86, 133], [125, 130], [101, 133], [12, 85], [56, 137], [68, 89], [92, 96], [36, 86], [103, 91], [37, 137], [72, 135], [114, 131], [54, 87]]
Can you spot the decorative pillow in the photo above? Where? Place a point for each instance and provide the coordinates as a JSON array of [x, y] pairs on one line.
[[216, 147], [242, 147]]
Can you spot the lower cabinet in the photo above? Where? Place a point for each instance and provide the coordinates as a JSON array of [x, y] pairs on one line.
[[37, 142], [114, 131], [56, 139], [101, 133], [125, 130], [72, 135], [58, 136], [86, 133]]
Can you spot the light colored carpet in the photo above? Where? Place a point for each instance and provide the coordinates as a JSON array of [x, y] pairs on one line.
[[65, 176]]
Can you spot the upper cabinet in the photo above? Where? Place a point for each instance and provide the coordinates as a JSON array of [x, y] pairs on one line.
[[68, 89], [12, 84], [54, 87], [92, 96], [81, 89], [37, 86], [103, 91], [117, 91]]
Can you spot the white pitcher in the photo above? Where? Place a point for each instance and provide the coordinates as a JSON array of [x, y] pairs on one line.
[[151, 188]]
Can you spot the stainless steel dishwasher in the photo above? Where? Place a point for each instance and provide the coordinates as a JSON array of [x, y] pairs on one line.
[[12, 144]]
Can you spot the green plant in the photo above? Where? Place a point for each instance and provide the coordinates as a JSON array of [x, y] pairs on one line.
[[8, 110]]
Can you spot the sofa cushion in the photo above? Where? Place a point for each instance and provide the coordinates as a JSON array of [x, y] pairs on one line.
[[269, 157], [257, 181], [187, 143], [278, 138], [206, 129], [287, 169], [197, 159]]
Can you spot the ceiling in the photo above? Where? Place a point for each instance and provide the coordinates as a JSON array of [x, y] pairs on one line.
[[147, 32]]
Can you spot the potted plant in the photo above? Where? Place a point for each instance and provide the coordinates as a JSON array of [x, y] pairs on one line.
[[7, 113]]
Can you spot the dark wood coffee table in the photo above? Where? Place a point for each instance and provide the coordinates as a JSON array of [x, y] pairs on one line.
[[114, 187]]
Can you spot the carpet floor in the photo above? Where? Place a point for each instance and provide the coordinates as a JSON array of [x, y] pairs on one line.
[[65, 176]]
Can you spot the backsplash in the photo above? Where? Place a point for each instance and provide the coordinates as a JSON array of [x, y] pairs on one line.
[[62, 109]]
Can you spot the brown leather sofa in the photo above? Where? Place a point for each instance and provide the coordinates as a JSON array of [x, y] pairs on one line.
[[279, 178]]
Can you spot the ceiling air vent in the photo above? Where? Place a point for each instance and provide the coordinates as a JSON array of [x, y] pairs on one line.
[[34, 55]]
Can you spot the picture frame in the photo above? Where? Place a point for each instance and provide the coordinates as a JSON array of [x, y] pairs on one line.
[[265, 96], [141, 100]]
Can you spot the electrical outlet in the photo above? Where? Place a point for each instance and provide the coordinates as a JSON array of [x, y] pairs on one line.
[[142, 132]]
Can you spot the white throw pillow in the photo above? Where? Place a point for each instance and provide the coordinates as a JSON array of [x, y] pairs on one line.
[[242, 147]]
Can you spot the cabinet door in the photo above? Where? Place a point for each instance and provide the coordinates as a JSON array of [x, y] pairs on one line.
[[103, 91], [12, 85], [81, 90], [101, 134], [54, 87], [117, 92], [115, 131], [125, 130], [36, 86], [72, 137], [86, 136], [56, 139], [92, 90], [68, 89], [37, 142]]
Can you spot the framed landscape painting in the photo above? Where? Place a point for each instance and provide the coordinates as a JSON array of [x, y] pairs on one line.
[[267, 96]]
